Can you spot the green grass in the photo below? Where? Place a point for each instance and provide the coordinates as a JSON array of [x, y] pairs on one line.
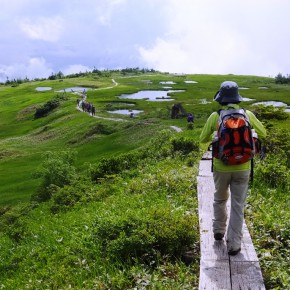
[[127, 229]]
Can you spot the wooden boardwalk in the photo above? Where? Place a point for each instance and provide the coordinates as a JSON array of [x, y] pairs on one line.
[[218, 270]]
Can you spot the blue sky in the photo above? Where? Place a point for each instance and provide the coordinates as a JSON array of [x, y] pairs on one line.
[[248, 37]]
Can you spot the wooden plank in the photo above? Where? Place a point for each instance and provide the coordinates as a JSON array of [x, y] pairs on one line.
[[205, 190], [205, 168], [214, 275], [217, 269], [207, 155], [246, 276], [248, 252], [213, 250], [214, 264]]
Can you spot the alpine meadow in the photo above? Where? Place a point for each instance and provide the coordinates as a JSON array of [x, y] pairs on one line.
[[107, 199]]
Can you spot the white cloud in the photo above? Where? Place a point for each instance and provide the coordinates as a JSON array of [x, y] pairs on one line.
[[38, 67], [219, 37], [105, 10], [76, 68], [44, 28], [161, 57], [34, 68]]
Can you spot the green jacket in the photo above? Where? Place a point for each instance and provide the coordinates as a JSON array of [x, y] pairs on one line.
[[211, 126]]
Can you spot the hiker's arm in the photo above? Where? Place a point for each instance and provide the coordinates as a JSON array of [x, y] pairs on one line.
[[209, 128], [257, 125]]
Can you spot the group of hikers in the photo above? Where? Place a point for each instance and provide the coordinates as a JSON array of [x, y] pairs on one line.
[[86, 107]]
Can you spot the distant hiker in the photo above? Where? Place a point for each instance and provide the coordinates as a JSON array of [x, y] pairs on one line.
[[190, 118], [93, 109], [83, 106], [226, 176], [88, 107], [174, 111]]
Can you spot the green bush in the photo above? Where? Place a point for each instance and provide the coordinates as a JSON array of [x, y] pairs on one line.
[[56, 171], [185, 145], [9, 220], [114, 165], [49, 106], [273, 171], [190, 126], [79, 192], [270, 112], [278, 143], [145, 235], [157, 149]]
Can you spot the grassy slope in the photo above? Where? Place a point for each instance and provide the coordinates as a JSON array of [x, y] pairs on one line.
[[24, 140], [22, 136]]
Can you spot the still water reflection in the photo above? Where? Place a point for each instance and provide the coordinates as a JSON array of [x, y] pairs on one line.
[[151, 95]]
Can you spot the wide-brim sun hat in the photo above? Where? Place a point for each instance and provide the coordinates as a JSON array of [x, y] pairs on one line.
[[228, 93]]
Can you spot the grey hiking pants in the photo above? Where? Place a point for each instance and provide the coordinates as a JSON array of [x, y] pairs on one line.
[[237, 183]]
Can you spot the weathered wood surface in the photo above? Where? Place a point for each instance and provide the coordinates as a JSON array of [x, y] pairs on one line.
[[218, 270]]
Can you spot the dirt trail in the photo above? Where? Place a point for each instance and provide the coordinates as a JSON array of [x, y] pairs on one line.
[[84, 97]]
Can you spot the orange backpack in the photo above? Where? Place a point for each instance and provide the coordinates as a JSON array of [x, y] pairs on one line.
[[235, 143]]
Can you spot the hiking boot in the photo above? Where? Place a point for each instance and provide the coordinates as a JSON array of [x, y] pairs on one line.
[[234, 252], [218, 236]]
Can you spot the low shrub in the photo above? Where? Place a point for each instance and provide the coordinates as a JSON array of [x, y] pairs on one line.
[[157, 149], [277, 143], [270, 112], [79, 192], [272, 171], [114, 165], [56, 171], [190, 126], [9, 220], [49, 106], [184, 144], [146, 234]]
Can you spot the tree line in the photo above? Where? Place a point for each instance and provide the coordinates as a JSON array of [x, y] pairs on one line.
[[59, 75], [280, 79]]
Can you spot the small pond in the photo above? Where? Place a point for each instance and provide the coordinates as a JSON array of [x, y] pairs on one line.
[[204, 101], [190, 82], [168, 83], [42, 89], [150, 95], [275, 104], [126, 112], [248, 99], [271, 103]]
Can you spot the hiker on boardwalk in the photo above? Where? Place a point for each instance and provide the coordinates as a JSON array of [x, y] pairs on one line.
[[229, 177]]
